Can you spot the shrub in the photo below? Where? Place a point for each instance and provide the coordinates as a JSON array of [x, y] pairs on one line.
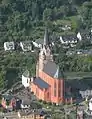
[[49, 103], [54, 104], [40, 100], [44, 102]]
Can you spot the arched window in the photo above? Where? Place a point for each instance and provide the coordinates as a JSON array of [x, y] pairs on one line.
[[55, 89], [59, 89], [55, 85]]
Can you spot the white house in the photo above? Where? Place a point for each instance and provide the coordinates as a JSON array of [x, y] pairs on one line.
[[38, 43], [90, 104], [79, 36], [8, 46], [26, 79], [66, 27], [68, 40], [61, 40], [26, 45], [25, 103]]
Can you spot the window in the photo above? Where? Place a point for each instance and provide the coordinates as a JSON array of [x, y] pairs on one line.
[[55, 89], [59, 93], [48, 95], [55, 92], [55, 85], [59, 89]]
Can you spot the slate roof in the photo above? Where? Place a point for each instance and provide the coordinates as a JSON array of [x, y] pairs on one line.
[[7, 97], [52, 70], [41, 83], [26, 101], [69, 38]]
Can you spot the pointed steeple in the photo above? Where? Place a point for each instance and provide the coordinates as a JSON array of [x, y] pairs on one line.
[[58, 73], [46, 37]]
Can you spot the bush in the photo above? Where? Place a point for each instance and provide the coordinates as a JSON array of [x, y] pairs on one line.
[[54, 104], [49, 103], [44, 102], [40, 100]]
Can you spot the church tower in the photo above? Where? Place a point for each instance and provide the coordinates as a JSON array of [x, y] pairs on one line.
[[42, 58], [45, 52], [46, 37], [46, 46]]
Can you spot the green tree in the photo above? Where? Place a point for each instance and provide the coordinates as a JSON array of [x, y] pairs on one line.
[[47, 14]]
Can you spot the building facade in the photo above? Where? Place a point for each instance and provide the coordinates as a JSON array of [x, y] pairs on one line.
[[26, 79], [48, 85]]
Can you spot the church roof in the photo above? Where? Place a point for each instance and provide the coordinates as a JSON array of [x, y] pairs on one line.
[[41, 83], [53, 70]]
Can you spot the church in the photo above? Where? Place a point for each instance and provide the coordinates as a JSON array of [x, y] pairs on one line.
[[48, 85]]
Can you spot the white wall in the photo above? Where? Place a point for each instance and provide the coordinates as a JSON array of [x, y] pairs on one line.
[[25, 81], [25, 107], [9, 46], [90, 105]]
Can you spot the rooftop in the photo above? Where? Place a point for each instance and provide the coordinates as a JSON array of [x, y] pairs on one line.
[[8, 97], [41, 83], [52, 70]]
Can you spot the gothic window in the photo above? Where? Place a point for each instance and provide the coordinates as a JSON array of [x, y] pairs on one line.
[[55, 85], [59, 89], [48, 95], [59, 93], [55, 89]]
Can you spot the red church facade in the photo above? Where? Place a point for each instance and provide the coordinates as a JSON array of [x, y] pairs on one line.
[[48, 85]]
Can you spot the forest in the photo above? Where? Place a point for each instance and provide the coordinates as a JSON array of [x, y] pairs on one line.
[[26, 20]]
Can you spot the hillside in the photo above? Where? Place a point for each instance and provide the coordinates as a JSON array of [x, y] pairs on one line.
[[26, 20]]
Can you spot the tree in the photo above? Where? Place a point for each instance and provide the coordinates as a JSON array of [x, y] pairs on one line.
[[47, 14]]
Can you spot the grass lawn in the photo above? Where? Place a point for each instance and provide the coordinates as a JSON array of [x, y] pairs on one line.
[[79, 75]]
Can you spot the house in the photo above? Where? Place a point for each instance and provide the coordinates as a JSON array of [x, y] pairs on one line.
[[9, 46], [90, 104], [26, 45], [26, 79], [79, 36], [48, 84], [25, 104], [8, 102], [66, 28], [32, 115], [38, 43], [69, 39]]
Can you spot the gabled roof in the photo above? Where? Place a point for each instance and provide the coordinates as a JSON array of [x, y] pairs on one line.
[[26, 101], [52, 70], [40, 83], [69, 38]]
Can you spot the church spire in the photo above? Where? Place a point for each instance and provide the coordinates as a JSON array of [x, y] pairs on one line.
[[46, 37]]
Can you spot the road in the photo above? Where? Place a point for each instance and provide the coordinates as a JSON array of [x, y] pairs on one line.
[[10, 115]]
